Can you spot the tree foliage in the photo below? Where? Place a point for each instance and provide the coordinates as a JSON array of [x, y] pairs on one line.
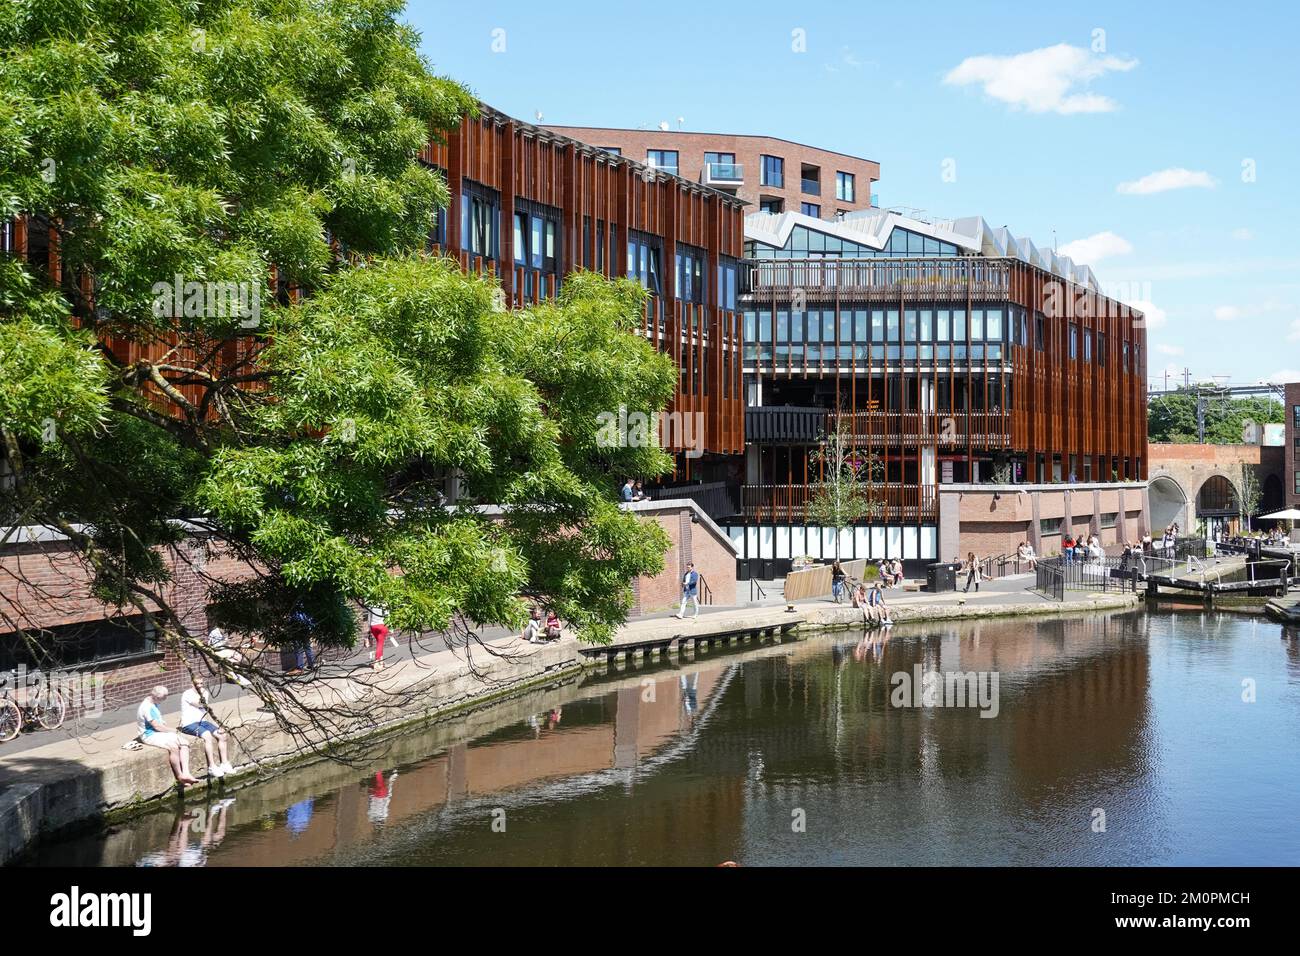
[[1172, 418], [232, 141]]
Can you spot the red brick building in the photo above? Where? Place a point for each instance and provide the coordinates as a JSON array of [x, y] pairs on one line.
[[769, 174]]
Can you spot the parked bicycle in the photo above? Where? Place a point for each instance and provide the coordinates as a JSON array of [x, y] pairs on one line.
[[45, 706]]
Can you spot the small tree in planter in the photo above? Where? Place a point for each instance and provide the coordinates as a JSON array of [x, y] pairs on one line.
[[846, 492]]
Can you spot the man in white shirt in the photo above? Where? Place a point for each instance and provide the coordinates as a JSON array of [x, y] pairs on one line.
[[197, 722], [217, 641]]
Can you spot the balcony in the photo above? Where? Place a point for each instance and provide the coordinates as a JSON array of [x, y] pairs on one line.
[[786, 504], [723, 175], [787, 424], [670, 170], [811, 187], [907, 278], [784, 423]]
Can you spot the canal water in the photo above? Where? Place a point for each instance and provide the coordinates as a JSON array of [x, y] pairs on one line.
[[1122, 739]]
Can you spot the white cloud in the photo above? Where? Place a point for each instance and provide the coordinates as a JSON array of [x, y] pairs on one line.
[[1154, 316], [1227, 313], [1242, 234], [1284, 376], [1169, 349], [1041, 81], [1095, 248], [1166, 179]]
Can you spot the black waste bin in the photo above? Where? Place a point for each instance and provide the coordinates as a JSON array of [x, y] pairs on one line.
[[941, 576]]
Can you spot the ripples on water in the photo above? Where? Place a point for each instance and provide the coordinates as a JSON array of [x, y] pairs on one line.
[[795, 755]]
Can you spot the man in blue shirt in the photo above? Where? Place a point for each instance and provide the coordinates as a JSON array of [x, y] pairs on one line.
[[627, 491], [690, 589]]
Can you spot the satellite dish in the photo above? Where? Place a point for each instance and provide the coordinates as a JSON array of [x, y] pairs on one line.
[[539, 116], [664, 125]]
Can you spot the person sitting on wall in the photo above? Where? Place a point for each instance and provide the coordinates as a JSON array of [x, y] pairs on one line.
[[196, 720], [154, 732], [553, 630]]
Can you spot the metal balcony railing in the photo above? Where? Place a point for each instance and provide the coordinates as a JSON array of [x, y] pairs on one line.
[[811, 187], [723, 173], [934, 277], [786, 504]]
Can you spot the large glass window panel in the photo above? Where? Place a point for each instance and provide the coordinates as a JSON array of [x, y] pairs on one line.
[[976, 324], [828, 325], [765, 325], [909, 325], [814, 326], [942, 331], [927, 323], [846, 326], [891, 325], [877, 325], [860, 325], [993, 325], [959, 325]]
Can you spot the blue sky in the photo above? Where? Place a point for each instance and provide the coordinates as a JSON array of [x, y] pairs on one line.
[[1164, 151]]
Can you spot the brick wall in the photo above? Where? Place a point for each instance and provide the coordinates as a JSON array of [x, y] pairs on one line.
[[699, 541]]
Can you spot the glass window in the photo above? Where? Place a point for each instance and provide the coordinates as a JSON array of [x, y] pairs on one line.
[[811, 209], [993, 325], [909, 325], [1073, 341], [959, 326], [480, 226], [771, 205], [773, 171], [877, 325], [891, 325], [977, 324], [941, 328], [665, 159], [643, 253], [844, 183]]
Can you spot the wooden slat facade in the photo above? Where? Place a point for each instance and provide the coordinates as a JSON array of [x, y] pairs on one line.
[[1033, 405], [602, 195]]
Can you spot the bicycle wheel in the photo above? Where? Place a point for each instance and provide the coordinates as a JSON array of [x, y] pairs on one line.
[[50, 710], [11, 720]]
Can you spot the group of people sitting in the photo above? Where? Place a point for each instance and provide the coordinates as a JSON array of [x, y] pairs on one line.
[[891, 573], [195, 721], [537, 631], [632, 491], [871, 601], [1025, 553]]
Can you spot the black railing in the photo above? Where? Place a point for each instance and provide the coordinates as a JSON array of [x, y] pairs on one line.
[[756, 588], [784, 423], [706, 592], [1049, 581], [1097, 574], [717, 499]]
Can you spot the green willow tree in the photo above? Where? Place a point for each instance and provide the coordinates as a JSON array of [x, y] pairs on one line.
[[211, 145]]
